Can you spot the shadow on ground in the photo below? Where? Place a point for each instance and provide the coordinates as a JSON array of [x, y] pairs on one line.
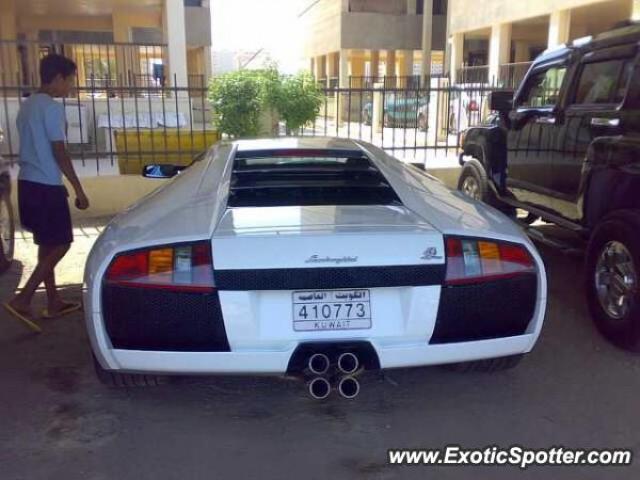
[[59, 423]]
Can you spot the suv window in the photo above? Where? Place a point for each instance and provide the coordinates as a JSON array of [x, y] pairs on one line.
[[543, 88], [602, 82]]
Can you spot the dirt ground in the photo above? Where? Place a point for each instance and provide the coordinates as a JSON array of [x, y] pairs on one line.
[[58, 422]]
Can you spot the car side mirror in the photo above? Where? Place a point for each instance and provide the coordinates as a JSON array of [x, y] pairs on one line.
[[501, 101], [160, 170]]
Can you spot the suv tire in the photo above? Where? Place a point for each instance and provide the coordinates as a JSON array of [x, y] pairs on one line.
[[612, 274], [473, 181]]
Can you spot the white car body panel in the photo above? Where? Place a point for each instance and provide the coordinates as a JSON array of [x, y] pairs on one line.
[[193, 207]]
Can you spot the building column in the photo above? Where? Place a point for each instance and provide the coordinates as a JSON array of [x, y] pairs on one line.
[[427, 35], [521, 52], [176, 40], [375, 63], [8, 31], [357, 67], [456, 47], [312, 66], [406, 66], [499, 50], [343, 69], [321, 67], [390, 65], [559, 27], [412, 7]]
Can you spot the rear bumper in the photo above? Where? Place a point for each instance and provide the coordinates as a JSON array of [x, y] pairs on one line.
[[276, 362]]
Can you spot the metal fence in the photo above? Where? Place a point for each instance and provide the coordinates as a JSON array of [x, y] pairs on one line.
[[99, 64], [418, 124], [116, 128]]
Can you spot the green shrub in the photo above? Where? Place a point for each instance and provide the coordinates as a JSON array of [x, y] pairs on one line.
[[239, 98], [299, 101]]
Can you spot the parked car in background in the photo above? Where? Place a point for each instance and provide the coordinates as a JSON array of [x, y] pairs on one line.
[[282, 256], [7, 221], [466, 103], [567, 149], [403, 109]]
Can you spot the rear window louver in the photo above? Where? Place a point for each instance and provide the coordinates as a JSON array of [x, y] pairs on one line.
[[307, 178]]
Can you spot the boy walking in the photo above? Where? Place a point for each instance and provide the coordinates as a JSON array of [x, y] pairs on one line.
[[42, 197]]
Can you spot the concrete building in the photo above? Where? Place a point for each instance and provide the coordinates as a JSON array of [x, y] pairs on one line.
[[495, 40], [374, 38], [121, 41]]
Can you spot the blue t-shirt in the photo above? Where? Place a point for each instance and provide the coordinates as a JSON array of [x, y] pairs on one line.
[[41, 120]]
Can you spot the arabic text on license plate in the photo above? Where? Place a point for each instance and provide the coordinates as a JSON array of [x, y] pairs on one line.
[[324, 310]]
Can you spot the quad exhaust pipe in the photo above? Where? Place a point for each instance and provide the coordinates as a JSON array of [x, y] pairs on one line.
[[318, 364], [348, 365], [319, 388], [349, 388]]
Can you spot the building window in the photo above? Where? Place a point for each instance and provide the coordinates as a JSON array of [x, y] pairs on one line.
[[420, 7], [192, 3]]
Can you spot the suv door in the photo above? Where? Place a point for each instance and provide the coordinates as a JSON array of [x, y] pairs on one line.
[[593, 110], [532, 140]]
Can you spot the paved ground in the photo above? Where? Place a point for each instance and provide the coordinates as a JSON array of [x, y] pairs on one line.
[[59, 423]]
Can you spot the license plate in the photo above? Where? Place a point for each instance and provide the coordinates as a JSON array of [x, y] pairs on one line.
[[324, 310]]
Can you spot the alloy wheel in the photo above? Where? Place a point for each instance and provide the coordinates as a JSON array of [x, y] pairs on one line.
[[616, 280]]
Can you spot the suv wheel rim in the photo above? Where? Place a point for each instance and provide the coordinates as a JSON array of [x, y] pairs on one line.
[[471, 188], [615, 279]]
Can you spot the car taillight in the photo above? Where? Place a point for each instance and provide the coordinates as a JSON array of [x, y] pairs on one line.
[[185, 267], [473, 106], [474, 261]]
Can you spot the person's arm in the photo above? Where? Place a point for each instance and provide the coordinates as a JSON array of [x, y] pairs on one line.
[[66, 166], [54, 121]]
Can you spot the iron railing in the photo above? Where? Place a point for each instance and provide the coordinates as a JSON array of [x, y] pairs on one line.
[[99, 65], [116, 128]]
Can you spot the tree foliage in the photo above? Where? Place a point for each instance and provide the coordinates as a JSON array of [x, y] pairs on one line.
[[240, 98]]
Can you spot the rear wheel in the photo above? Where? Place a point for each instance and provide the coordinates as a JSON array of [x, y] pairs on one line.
[[486, 366], [7, 226], [473, 181], [612, 277], [124, 380]]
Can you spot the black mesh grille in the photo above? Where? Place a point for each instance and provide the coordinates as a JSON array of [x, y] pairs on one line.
[[147, 319], [482, 311], [325, 278]]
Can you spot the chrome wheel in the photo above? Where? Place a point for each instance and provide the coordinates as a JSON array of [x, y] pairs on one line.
[[471, 187], [616, 280]]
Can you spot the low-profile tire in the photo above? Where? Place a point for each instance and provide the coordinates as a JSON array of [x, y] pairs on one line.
[[126, 380], [7, 227], [612, 279], [486, 366], [473, 181]]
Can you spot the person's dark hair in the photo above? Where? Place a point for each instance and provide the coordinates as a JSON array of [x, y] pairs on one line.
[[53, 65]]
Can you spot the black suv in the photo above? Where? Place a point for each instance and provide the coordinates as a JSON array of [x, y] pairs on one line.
[[566, 148]]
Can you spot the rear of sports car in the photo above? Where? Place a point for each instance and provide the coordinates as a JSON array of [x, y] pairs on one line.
[[315, 267]]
